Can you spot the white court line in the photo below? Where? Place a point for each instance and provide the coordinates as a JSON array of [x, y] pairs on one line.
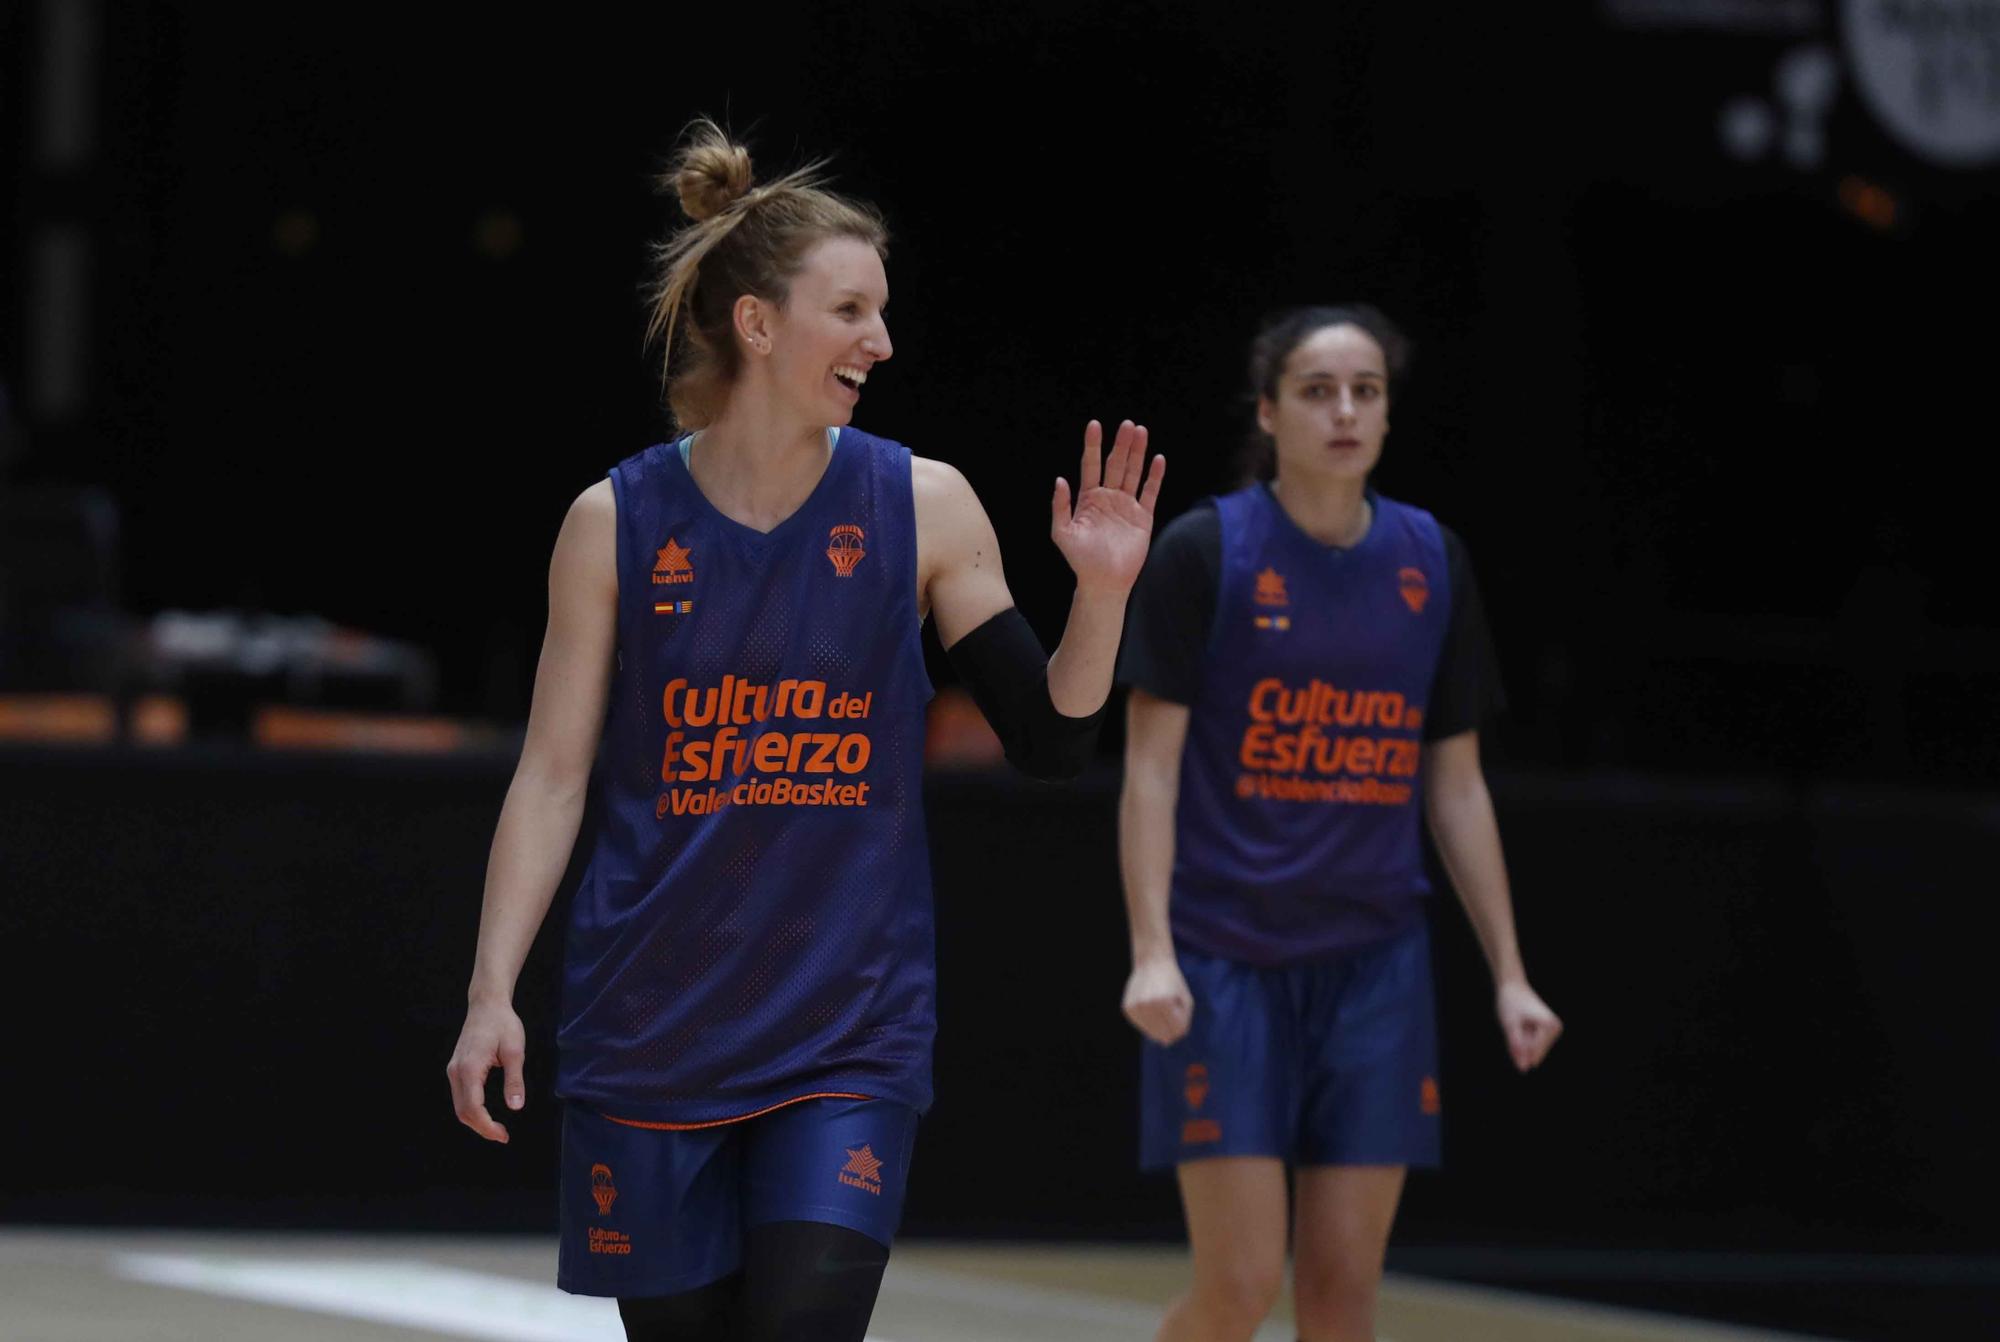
[[415, 1295], [1047, 1302], [437, 1299], [461, 1303]]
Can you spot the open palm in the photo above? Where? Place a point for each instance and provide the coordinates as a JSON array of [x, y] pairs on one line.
[[1104, 537]]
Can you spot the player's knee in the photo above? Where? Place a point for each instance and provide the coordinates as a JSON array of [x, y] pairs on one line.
[[1339, 1287], [1243, 1292]]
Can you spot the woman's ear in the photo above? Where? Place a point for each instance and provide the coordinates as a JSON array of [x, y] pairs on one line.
[[752, 317]]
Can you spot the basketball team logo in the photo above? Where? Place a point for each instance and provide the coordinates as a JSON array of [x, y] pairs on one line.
[[863, 1170], [1271, 592], [602, 1191], [843, 547], [1196, 1089], [1416, 588], [673, 565]]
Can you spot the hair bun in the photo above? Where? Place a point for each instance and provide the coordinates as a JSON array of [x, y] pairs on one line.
[[711, 173]]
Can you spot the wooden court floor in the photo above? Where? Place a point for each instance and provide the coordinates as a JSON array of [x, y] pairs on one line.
[[94, 1286]]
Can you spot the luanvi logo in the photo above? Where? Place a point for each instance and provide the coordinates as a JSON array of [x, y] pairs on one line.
[[673, 565], [863, 1170]]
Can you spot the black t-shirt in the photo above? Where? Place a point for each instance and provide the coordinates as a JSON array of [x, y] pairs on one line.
[[1173, 609]]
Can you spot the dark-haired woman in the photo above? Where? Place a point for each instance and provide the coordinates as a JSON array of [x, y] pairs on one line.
[[732, 665], [1309, 668]]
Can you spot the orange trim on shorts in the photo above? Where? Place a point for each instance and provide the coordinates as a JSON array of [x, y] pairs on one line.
[[740, 1118]]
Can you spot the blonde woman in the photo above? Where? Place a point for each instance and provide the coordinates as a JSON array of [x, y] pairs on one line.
[[732, 662]]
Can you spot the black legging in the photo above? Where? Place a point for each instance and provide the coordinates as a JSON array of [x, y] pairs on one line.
[[801, 1281]]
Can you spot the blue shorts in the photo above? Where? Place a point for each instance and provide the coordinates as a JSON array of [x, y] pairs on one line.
[[651, 1211], [1329, 1063]]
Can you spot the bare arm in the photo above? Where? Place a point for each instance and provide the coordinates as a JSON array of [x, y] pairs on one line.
[[1157, 1000], [1104, 540], [544, 805], [1460, 810]]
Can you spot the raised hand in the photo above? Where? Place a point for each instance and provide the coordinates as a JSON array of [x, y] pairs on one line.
[[1104, 537], [1530, 1027]]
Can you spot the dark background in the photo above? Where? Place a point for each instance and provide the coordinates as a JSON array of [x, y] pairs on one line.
[[363, 317]]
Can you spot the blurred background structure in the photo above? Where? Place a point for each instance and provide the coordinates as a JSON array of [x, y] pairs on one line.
[[316, 321]]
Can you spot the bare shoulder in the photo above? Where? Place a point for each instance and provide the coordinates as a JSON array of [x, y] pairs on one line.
[[586, 556], [592, 514], [939, 487], [596, 506], [950, 518]]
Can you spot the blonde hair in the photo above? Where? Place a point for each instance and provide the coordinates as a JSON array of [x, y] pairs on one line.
[[741, 239]]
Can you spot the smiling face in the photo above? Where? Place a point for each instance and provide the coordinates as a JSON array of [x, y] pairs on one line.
[[822, 342], [1331, 410]]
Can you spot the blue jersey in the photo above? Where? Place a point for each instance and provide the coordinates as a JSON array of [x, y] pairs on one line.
[[755, 923], [1296, 831]]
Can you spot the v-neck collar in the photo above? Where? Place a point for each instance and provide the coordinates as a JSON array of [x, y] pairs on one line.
[[680, 449], [1331, 551]]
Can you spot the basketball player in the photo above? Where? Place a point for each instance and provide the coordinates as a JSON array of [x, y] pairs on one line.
[[747, 1007], [1309, 667]]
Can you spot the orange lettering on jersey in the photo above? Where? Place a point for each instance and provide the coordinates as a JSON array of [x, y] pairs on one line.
[[1271, 589], [615, 1242], [1196, 1131], [1289, 755], [1427, 1096], [714, 739]]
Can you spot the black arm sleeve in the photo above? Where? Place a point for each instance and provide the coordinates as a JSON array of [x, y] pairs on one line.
[[1004, 667], [1172, 610], [1467, 691]]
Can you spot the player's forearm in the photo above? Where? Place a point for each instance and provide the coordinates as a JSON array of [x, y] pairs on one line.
[[1146, 860], [1468, 843], [531, 848], [1081, 667]]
